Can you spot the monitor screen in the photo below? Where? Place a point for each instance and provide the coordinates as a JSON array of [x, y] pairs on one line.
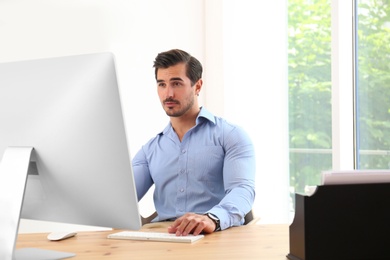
[[68, 109]]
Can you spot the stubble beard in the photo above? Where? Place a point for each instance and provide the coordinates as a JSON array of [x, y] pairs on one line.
[[172, 113]]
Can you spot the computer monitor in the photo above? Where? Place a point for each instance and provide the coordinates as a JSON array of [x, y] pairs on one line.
[[67, 111]]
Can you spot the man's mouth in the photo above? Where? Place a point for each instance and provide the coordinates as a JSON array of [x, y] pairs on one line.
[[170, 103]]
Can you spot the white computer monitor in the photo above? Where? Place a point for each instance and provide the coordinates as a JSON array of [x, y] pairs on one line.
[[68, 111]]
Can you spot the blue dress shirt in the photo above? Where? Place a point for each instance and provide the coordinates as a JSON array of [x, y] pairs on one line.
[[211, 170]]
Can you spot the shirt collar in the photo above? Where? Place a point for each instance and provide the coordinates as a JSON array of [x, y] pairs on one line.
[[204, 113]]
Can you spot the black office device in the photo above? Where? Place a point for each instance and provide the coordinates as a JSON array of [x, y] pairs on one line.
[[342, 222]]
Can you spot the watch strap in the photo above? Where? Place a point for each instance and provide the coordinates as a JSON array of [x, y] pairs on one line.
[[216, 221]]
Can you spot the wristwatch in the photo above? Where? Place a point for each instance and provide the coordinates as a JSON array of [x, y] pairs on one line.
[[215, 219]]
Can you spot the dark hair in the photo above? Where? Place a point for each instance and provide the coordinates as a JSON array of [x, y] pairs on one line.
[[176, 56]]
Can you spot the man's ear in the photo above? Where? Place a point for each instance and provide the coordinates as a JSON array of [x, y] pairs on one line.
[[198, 86]]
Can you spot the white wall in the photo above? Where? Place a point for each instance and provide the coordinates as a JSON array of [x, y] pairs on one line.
[[135, 31], [245, 74]]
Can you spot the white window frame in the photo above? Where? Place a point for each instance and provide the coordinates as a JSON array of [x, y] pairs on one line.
[[343, 89]]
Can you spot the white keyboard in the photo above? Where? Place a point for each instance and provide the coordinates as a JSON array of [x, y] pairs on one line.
[[154, 236]]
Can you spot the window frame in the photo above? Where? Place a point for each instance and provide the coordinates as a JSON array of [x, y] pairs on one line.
[[343, 85]]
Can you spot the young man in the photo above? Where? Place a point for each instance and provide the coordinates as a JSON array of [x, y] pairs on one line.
[[203, 167]]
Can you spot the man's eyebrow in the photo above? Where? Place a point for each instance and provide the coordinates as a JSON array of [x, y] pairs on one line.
[[171, 79], [177, 78]]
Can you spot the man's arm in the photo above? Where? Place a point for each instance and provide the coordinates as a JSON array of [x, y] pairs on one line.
[[142, 178], [239, 182]]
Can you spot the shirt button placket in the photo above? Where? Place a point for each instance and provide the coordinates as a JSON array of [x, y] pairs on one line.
[[182, 180]]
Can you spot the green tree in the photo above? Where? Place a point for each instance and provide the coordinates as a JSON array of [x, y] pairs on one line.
[[309, 66], [373, 82], [309, 77]]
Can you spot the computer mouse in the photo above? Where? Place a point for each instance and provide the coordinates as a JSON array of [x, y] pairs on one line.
[[56, 236]]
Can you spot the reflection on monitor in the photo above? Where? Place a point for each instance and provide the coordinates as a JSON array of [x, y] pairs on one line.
[[68, 111]]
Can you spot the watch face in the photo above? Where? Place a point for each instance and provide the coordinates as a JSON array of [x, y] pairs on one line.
[[213, 217], [216, 221]]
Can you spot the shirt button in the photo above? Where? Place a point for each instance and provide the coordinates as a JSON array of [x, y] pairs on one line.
[[181, 190], [183, 151]]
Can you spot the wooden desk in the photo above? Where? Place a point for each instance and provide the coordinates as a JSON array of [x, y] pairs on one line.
[[268, 242]]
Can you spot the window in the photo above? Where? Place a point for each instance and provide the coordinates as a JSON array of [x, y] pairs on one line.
[[309, 83], [373, 84]]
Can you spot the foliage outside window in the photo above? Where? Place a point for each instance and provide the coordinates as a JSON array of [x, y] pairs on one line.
[[309, 78], [373, 84], [309, 66]]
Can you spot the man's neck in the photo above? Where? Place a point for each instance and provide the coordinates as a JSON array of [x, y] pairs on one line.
[[182, 124]]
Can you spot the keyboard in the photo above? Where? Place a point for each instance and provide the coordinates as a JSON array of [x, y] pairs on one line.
[[154, 236]]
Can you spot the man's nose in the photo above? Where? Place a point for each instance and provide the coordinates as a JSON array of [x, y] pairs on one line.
[[170, 92]]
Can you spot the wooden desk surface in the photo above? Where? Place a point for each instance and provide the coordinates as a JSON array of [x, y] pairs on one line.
[[268, 242]]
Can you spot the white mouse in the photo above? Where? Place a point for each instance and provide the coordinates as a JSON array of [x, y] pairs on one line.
[[56, 236]]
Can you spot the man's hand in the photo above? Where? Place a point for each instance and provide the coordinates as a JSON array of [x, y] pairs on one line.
[[192, 223]]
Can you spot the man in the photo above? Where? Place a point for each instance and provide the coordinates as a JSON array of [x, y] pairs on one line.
[[203, 167]]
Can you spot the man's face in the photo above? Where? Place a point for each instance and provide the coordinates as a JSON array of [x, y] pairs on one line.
[[176, 94]]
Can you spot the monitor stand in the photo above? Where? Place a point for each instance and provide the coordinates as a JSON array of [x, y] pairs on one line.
[[13, 178]]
